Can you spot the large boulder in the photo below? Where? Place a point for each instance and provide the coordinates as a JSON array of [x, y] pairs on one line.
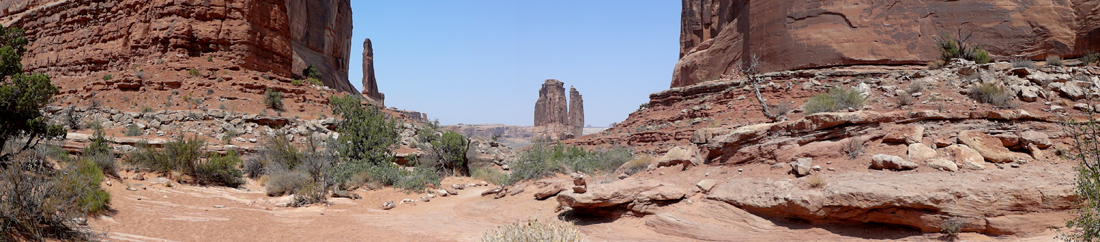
[[920, 152], [679, 155], [1039, 139], [991, 148], [908, 134]]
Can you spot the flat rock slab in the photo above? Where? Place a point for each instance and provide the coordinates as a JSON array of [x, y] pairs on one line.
[[991, 148]]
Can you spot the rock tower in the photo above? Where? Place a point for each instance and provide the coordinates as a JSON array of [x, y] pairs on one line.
[[554, 120]]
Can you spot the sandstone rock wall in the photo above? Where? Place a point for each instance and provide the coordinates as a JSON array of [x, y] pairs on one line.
[[370, 84], [716, 34], [320, 31], [78, 38], [553, 119]]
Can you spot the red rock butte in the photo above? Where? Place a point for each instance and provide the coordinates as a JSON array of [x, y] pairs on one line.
[[716, 34]]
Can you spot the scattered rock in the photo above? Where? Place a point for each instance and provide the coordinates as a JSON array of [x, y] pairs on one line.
[[219, 206], [458, 186], [1029, 94], [882, 161], [706, 184], [1040, 139], [801, 166], [346, 194], [942, 164], [426, 198], [580, 189], [159, 180], [1057, 109], [443, 192], [451, 191], [549, 191], [492, 191], [1084, 107], [679, 155], [388, 205], [991, 148]]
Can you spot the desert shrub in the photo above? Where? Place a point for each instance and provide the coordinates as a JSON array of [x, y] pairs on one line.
[[991, 94], [817, 181], [362, 180], [543, 160], [220, 170], [276, 154], [253, 168], [490, 175], [951, 48], [133, 130], [853, 148], [1018, 62], [904, 99], [936, 64], [366, 136], [917, 86], [1085, 226], [38, 202], [108, 77], [99, 153], [837, 99], [71, 118], [273, 99], [451, 150], [1090, 57], [428, 132], [1054, 60], [194, 72], [638, 164], [535, 230], [311, 72], [296, 82], [951, 228], [286, 183], [315, 81], [782, 108], [178, 155]]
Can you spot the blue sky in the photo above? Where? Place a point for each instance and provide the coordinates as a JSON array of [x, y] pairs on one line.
[[481, 62]]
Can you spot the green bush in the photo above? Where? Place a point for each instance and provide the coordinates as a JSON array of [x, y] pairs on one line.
[[315, 81], [951, 47], [179, 155], [1086, 137], [1090, 57], [273, 99], [1054, 60], [220, 170], [366, 136], [991, 94], [452, 152], [311, 72], [837, 99], [951, 228], [194, 72], [534, 230], [296, 82], [99, 152], [544, 160], [133, 130]]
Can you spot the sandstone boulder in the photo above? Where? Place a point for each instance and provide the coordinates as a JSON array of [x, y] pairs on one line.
[[942, 164], [802, 166], [549, 191], [965, 157], [679, 155], [920, 152], [706, 184], [882, 161], [991, 148], [1040, 139]]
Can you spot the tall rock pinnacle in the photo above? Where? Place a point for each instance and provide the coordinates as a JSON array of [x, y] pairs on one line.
[[576, 112], [554, 120], [370, 84]]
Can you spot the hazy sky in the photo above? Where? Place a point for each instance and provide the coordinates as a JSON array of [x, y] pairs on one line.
[[481, 62]]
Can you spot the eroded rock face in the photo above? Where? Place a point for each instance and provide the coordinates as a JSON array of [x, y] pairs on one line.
[[75, 39], [716, 34], [553, 119], [370, 84]]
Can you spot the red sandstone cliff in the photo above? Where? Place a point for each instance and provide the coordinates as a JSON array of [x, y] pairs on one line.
[[73, 39], [786, 34]]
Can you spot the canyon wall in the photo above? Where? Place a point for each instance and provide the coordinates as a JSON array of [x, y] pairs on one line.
[[74, 39], [715, 35]]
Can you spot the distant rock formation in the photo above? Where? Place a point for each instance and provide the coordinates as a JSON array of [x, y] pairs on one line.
[[370, 84], [553, 119], [786, 34], [576, 112], [320, 31]]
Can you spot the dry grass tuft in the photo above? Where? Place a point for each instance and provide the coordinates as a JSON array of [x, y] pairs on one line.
[[816, 181]]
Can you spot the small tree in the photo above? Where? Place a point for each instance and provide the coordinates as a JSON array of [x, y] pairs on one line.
[[750, 70], [452, 152], [1086, 137], [311, 72], [22, 97], [273, 99], [366, 135]]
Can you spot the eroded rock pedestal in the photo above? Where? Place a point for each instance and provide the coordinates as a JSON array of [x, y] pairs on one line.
[[553, 119]]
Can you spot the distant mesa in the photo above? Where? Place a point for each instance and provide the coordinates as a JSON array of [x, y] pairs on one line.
[[554, 120]]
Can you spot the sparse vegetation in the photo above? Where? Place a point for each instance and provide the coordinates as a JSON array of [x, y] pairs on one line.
[[1086, 138], [903, 99], [71, 118], [490, 175], [273, 99], [1090, 57], [194, 72], [99, 152], [917, 86], [638, 164], [1018, 62], [951, 48], [1054, 60], [816, 181], [296, 82], [853, 148], [133, 130], [220, 170], [535, 230], [315, 81], [936, 64], [543, 160], [184, 155], [311, 72], [837, 99], [108, 77], [991, 94], [951, 228]]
